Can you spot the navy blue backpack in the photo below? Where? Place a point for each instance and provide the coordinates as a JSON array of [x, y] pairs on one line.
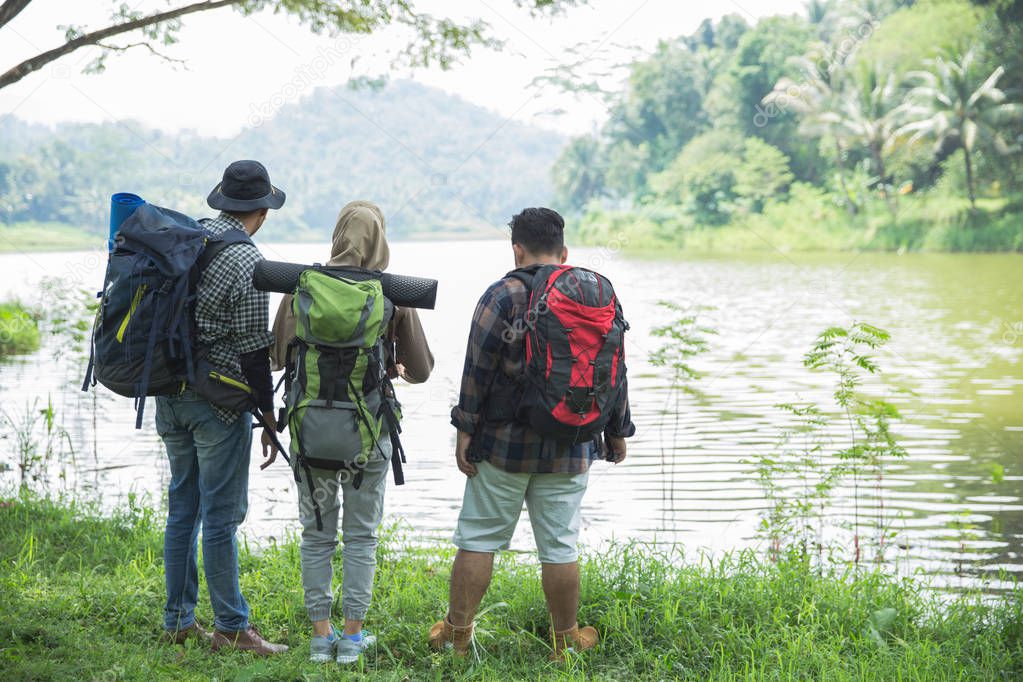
[[144, 337]]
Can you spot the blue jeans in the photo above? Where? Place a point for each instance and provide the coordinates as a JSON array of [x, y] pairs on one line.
[[209, 465]]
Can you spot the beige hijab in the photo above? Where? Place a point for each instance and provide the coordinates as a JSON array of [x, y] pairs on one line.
[[359, 240], [359, 237]]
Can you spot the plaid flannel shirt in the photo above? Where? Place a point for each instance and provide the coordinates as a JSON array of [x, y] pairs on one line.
[[232, 317], [494, 357]]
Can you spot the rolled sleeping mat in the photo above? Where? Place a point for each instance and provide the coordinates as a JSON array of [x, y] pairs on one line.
[[403, 290], [122, 205]]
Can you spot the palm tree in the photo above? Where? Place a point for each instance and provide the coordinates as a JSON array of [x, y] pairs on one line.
[[868, 113], [817, 11], [854, 110], [950, 103], [815, 98]]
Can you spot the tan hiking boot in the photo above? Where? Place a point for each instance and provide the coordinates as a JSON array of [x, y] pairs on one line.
[[573, 640], [444, 635], [193, 631], [246, 640]]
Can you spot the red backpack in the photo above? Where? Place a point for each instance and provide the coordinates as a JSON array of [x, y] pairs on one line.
[[575, 353]]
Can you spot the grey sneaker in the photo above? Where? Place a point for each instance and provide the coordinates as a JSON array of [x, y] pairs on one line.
[[322, 649], [349, 651]]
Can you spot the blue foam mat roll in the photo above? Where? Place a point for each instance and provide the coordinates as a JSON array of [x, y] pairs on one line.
[[122, 205]]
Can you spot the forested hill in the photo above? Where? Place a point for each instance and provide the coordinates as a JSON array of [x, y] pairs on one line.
[[433, 161]]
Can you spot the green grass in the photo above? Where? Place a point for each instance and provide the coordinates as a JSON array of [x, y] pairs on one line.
[[81, 598], [36, 236], [810, 220], [19, 330]]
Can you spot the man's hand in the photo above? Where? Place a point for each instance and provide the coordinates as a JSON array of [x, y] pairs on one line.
[[615, 449], [462, 441], [269, 449]]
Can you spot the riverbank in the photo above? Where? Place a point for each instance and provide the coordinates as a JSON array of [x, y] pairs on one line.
[[43, 237], [31, 237], [82, 596], [811, 220]]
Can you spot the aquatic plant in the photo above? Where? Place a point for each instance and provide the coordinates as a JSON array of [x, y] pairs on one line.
[[850, 439]]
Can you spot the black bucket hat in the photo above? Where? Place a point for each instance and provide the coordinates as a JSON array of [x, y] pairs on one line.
[[245, 187]]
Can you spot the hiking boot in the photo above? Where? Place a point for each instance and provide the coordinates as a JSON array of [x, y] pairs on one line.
[[444, 635], [322, 649], [573, 641], [246, 640], [193, 631], [348, 651]]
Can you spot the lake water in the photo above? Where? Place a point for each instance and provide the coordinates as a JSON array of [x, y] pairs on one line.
[[955, 502]]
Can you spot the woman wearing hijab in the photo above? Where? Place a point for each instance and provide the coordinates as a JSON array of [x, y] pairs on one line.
[[359, 240]]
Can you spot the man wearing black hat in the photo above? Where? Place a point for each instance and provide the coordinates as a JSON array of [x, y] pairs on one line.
[[209, 446]]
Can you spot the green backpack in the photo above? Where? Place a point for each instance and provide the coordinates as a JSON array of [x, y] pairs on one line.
[[339, 400]]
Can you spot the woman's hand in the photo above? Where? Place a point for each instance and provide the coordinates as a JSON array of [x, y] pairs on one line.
[[397, 371], [269, 448]]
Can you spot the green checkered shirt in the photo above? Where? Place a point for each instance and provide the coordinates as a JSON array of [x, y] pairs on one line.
[[232, 317]]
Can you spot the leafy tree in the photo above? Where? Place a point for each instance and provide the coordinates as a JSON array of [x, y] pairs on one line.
[[853, 109], [725, 34], [627, 166], [817, 11], [867, 115], [760, 60], [578, 174], [1007, 10], [816, 97], [924, 30], [664, 104], [716, 174], [702, 177], [763, 175], [999, 46], [437, 40], [702, 38], [729, 30], [953, 105], [660, 111]]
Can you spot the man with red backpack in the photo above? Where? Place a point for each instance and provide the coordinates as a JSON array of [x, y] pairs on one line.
[[543, 394]]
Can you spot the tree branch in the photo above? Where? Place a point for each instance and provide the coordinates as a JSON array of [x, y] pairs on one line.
[[28, 66], [10, 9], [152, 50]]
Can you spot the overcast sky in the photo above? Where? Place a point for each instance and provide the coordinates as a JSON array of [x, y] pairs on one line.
[[242, 68]]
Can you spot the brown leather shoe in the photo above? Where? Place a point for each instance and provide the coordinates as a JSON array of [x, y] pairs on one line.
[[193, 631], [573, 640], [246, 640], [444, 635]]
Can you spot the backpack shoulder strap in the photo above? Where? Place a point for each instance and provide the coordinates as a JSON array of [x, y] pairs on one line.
[[216, 244], [525, 275]]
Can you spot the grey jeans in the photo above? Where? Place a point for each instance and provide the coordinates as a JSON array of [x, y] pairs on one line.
[[360, 512]]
